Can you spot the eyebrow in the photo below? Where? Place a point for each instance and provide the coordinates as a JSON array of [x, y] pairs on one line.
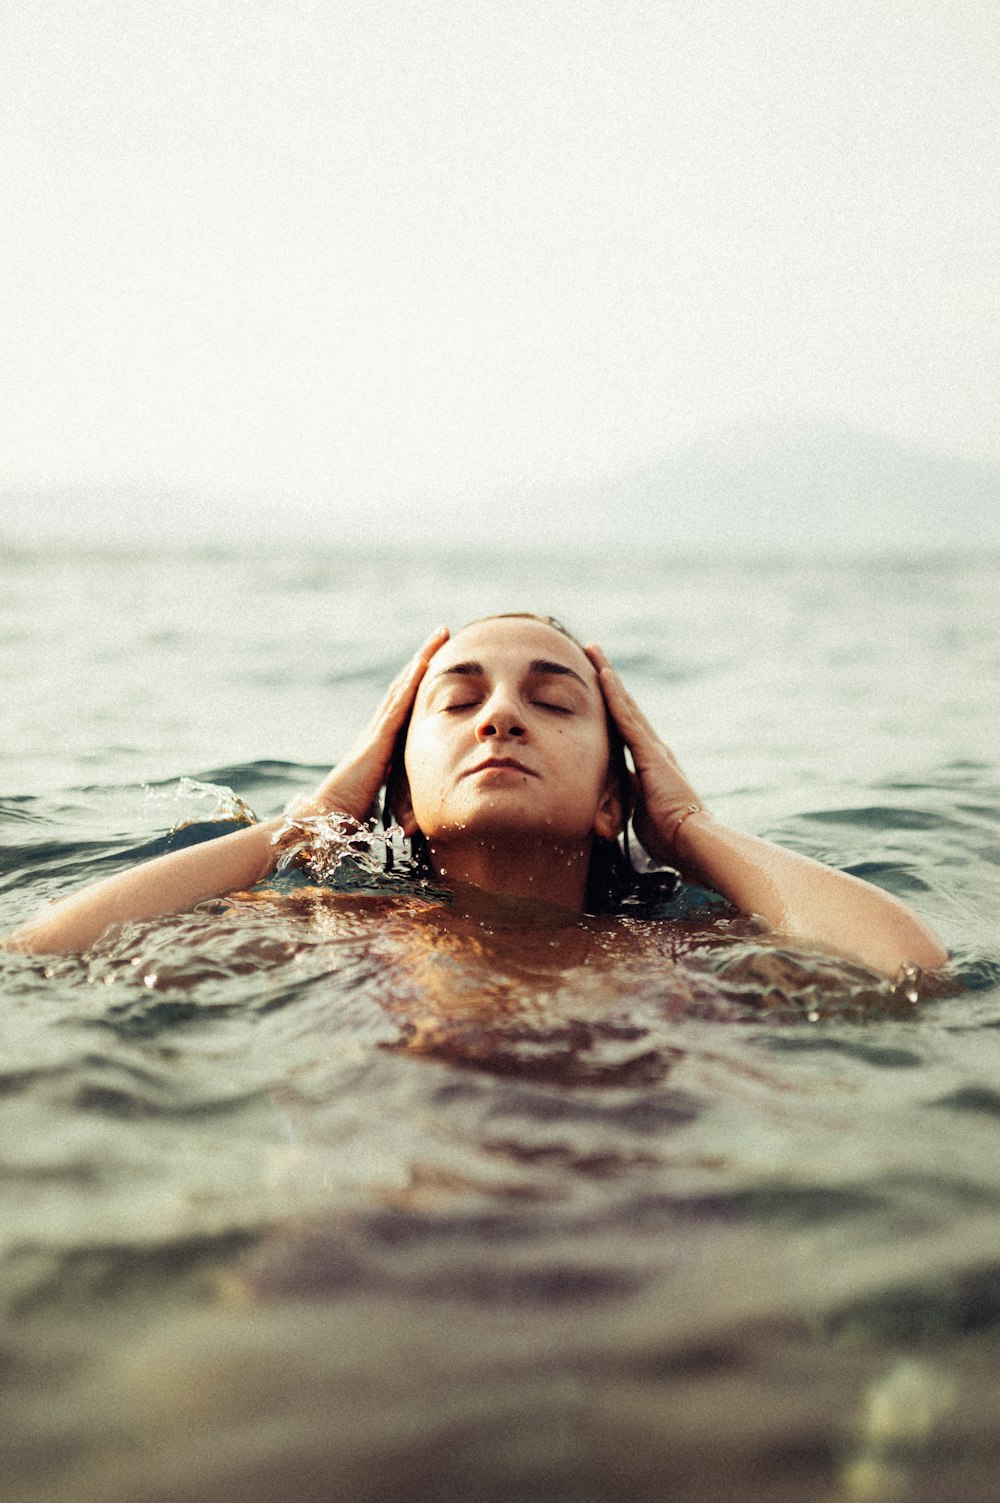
[[540, 667]]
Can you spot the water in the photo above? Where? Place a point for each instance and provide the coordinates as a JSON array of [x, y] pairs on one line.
[[335, 1200]]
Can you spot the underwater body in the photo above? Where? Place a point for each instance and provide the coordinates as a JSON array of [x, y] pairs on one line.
[[321, 1193]]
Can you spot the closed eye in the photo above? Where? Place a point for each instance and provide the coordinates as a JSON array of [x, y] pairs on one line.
[[544, 704], [463, 704]]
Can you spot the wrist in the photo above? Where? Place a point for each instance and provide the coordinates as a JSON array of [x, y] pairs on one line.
[[690, 811], [305, 806], [320, 802]]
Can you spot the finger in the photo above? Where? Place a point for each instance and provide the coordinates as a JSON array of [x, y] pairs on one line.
[[420, 661], [437, 638], [399, 697], [354, 782], [612, 689], [377, 742], [628, 717]]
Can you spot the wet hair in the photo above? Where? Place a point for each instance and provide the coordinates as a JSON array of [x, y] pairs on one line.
[[613, 883]]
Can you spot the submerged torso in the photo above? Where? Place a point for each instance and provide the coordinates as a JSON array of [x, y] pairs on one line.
[[467, 978]]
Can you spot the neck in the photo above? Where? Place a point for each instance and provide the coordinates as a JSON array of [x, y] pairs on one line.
[[532, 869]]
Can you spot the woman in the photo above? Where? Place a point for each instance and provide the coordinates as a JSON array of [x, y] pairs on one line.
[[510, 781]]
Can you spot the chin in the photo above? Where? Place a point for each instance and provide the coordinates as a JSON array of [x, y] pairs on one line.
[[499, 826]]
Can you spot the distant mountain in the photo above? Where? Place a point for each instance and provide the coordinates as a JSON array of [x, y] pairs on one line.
[[800, 487], [775, 487]]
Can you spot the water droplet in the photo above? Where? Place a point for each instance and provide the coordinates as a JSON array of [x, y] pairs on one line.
[[149, 979]]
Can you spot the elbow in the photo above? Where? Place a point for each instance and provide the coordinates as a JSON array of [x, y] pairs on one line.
[[59, 929], [915, 942], [893, 948], [886, 936], [929, 954], [34, 939]]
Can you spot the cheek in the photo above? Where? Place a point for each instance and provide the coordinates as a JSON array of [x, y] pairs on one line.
[[421, 759], [591, 756]]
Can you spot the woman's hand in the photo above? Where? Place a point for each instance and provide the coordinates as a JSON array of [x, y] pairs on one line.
[[179, 880], [353, 785], [794, 894], [663, 795]]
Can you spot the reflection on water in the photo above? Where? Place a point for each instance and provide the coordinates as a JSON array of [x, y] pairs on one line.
[[337, 1191], [899, 1416]]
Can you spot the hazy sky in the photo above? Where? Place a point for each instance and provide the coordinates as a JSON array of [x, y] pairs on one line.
[[365, 247]]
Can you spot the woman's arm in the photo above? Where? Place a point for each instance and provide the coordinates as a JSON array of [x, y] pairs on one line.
[[167, 884], [796, 895], [177, 881]]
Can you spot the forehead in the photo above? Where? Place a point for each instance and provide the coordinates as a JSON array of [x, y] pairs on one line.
[[508, 642]]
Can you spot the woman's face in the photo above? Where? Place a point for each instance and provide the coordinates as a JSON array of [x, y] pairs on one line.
[[509, 738]]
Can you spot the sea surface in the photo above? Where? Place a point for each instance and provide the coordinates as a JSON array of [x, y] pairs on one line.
[[312, 1196]]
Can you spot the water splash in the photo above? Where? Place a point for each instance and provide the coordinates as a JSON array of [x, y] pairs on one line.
[[339, 851], [227, 805]]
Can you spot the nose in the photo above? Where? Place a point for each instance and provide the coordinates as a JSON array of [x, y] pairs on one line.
[[498, 717]]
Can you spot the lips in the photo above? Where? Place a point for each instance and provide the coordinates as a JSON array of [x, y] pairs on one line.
[[490, 764]]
